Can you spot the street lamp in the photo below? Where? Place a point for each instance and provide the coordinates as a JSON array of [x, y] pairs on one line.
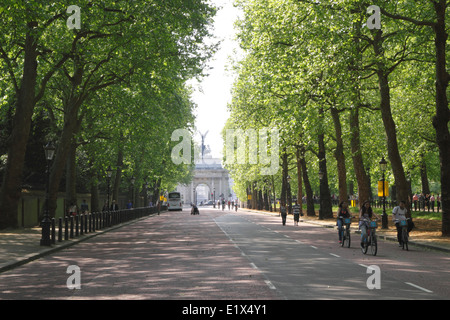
[[214, 199], [384, 219], [49, 150]]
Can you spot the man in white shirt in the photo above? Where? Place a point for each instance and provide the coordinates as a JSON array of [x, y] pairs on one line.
[[399, 214]]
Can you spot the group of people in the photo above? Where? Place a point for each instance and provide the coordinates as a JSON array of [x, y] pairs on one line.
[[231, 204], [420, 201], [366, 214]]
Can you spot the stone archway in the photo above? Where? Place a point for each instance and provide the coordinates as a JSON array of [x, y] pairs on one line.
[[208, 172]]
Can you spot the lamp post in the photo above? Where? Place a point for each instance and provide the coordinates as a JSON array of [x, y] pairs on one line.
[[46, 222], [214, 199], [384, 220], [108, 176]]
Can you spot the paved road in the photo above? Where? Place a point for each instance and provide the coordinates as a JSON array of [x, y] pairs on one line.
[[226, 255]]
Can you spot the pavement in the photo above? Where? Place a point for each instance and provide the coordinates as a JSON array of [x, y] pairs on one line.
[[20, 246]]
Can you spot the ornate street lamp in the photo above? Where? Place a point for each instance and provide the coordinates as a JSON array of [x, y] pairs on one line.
[[46, 222], [384, 219]]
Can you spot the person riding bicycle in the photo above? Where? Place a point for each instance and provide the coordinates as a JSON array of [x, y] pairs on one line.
[[399, 214], [342, 213], [365, 215]]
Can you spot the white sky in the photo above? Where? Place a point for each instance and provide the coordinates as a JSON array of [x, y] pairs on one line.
[[214, 92]]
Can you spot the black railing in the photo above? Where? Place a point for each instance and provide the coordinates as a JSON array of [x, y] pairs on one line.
[[81, 224]]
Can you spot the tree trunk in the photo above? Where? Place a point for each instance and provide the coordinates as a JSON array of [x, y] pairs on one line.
[[299, 180], [326, 210], [388, 121], [358, 165], [308, 190], [339, 155], [12, 180], [440, 121], [71, 177], [424, 177]]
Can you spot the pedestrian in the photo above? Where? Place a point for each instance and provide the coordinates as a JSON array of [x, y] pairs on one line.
[[114, 206], [399, 214], [73, 209], [105, 206], [129, 204], [283, 213], [432, 200], [296, 210], [84, 207], [342, 213], [415, 200]]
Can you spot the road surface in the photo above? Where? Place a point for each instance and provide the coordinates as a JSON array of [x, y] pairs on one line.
[[227, 255]]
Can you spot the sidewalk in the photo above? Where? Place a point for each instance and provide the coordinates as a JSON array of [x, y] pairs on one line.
[[20, 246], [388, 235]]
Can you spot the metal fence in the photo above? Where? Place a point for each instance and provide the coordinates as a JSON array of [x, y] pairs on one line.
[[74, 226]]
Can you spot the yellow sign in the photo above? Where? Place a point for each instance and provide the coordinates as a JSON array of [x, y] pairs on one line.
[[161, 198], [386, 188], [249, 197]]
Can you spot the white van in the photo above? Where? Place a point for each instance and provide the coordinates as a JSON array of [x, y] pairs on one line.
[[174, 201]]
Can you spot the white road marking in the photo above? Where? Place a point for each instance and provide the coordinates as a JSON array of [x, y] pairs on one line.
[[335, 255], [269, 284], [416, 286], [313, 247]]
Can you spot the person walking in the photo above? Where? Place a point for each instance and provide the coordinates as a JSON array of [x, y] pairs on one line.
[[296, 211], [283, 213]]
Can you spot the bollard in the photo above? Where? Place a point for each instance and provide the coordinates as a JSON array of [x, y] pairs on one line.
[[85, 223], [90, 222], [53, 231], [77, 225], [71, 227], [81, 224], [66, 224], [59, 229]]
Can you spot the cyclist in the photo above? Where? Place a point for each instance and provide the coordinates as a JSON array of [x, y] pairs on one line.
[[365, 215], [398, 214], [342, 213]]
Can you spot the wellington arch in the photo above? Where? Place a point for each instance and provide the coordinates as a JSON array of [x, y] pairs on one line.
[[211, 181]]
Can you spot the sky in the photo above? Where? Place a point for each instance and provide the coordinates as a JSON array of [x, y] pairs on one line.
[[214, 92]]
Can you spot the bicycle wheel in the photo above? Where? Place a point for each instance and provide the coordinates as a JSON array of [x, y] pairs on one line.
[[405, 239], [343, 239], [347, 238], [373, 245], [365, 246]]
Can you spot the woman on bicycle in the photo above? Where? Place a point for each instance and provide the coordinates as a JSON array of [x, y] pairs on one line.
[[398, 214], [365, 215], [342, 213]]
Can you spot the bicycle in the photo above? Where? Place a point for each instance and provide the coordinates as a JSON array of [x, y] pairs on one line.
[[404, 235], [345, 232], [371, 239]]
